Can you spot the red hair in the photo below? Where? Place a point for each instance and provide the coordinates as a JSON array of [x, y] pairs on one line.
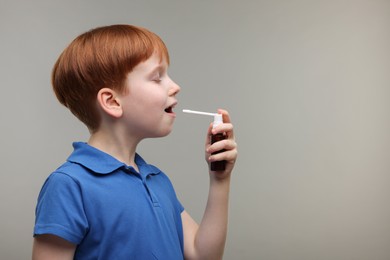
[[100, 58]]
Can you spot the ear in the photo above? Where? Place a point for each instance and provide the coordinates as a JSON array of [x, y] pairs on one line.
[[109, 102]]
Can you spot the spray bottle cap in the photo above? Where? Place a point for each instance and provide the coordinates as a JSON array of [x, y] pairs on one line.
[[217, 120]]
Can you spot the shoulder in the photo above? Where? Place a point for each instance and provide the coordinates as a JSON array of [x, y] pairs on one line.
[[66, 180], [74, 171], [59, 184]]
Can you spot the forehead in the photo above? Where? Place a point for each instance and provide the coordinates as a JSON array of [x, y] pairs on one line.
[[155, 61]]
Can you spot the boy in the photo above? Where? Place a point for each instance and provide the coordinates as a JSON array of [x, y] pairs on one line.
[[106, 202]]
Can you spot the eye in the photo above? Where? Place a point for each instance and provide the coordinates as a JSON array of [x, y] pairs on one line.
[[156, 78]]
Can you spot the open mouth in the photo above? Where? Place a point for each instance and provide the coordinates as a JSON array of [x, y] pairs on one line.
[[169, 109]]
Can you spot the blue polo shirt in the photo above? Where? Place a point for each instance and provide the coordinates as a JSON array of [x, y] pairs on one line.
[[109, 210]]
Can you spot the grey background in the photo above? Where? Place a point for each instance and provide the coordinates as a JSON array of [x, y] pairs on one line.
[[306, 83]]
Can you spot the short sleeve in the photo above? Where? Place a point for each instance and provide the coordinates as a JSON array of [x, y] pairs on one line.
[[179, 206], [60, 209]]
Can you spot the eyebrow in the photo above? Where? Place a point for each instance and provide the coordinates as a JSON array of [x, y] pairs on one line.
[[158, 68]]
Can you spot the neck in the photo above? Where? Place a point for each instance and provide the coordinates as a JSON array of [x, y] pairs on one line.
[[116, 145]]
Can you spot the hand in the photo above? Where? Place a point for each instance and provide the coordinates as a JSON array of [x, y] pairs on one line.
[[228, 146]]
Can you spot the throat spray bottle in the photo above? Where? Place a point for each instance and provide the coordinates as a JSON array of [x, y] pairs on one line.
[[217, 165]]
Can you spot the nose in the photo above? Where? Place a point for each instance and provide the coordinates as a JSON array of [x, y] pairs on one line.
[[174, 88]]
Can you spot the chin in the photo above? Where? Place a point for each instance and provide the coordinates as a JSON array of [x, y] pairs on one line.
[[163, 133], [166, 133]]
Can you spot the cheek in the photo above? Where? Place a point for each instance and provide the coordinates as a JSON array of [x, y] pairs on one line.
[[157, 100], [147, 98]]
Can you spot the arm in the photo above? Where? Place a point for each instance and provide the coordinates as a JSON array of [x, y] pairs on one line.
[[52, 247], [207, 241]]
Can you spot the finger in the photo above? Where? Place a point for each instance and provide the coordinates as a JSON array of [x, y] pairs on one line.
[[227, 124], [227, 144], [229, 156], [223, 128]]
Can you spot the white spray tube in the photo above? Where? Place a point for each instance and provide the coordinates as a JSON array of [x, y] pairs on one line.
[[217, 117]]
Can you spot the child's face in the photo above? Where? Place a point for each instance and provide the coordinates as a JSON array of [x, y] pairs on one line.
[[149, 100]]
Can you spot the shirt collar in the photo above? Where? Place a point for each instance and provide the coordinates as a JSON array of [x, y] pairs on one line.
[[103, 163]]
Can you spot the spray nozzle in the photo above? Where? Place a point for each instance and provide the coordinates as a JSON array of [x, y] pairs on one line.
[[217, 117]]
